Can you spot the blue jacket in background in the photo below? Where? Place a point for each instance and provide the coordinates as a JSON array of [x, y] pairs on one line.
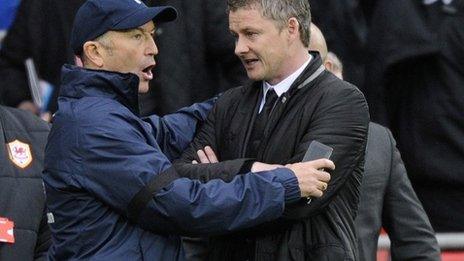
[[7, 13], [100, 154]]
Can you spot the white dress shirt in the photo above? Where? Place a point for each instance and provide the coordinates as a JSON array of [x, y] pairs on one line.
[[284, 85]]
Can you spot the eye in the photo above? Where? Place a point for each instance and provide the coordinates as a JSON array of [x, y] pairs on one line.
[[138, 36], [251, 34]]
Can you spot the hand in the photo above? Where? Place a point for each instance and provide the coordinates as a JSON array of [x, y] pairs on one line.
[[206, 155], [312, 178], [46, 116], [29, 106]]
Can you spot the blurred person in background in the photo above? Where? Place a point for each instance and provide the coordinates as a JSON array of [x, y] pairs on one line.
[[387, 197], [24, 232], [41, 32], [405, 57], [345, 25], [414, 80]]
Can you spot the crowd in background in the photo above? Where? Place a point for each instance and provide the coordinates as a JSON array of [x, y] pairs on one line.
[[405, 56]]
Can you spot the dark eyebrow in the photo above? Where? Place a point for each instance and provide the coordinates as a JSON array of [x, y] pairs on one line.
[[249, 29]]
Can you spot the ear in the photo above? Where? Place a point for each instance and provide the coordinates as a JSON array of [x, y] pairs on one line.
[[333, 68], [329, 65], [93, 53], [293, 27]]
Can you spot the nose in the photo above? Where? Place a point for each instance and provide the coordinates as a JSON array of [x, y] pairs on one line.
[[240, 46], [151, 48]]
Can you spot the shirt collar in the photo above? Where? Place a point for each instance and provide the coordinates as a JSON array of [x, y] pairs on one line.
[[285, 84]]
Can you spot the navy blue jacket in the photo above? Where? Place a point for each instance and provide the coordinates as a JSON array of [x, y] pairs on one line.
[[101, 155]]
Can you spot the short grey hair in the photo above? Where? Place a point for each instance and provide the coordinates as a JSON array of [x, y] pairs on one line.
[[280, 11]]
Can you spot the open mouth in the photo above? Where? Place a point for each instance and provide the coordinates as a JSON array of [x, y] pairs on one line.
[[250, 62], [147, 74]]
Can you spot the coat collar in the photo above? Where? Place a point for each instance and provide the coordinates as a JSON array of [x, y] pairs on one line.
[[78, 82], [312, 71]]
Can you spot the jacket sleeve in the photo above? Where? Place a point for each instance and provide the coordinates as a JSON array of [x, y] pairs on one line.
[[118, 163], [404, 218], [174, 132], [341, 122], [225, 170]]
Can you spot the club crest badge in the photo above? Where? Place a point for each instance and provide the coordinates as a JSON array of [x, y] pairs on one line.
[[20, 153]]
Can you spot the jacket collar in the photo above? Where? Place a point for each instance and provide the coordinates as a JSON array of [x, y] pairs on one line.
[[78, 82], [311, 72]]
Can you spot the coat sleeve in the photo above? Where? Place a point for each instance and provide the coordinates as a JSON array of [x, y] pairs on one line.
[[404, 218], [341, 122], [118, 163], [225, 170], [174, 132]]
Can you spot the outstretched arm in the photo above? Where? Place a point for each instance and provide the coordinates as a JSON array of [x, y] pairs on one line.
[[174, 132], [137, 181]]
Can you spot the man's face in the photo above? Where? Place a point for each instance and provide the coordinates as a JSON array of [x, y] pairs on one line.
[[260, 44], [132, 51]]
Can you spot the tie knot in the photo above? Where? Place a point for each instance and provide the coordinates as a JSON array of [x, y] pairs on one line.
[[271, 97]]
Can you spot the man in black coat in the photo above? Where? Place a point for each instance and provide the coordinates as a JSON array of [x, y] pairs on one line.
[[415, 78], [387, 198], [308, 103], [22, 196]]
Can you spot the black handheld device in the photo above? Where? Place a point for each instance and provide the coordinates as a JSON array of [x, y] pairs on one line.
[[317, 150]]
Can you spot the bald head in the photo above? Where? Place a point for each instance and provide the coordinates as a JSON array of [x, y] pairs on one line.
[[317, 42], [330, 60]]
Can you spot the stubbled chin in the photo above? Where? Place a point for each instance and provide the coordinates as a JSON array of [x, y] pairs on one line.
[[143, 87], [254, 76]]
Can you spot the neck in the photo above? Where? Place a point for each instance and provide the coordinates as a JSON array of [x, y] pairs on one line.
[[293, 63]]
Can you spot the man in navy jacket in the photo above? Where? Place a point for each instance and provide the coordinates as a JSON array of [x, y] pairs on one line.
[[111, 190]]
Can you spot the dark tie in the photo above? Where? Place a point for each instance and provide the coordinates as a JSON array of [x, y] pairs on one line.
[[260, 124]]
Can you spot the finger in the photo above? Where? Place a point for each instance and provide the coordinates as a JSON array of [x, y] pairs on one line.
[[210, 154], [202, 156], [194, 162], [317, 193], [323, 164], [323, 176], [322, 186]]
